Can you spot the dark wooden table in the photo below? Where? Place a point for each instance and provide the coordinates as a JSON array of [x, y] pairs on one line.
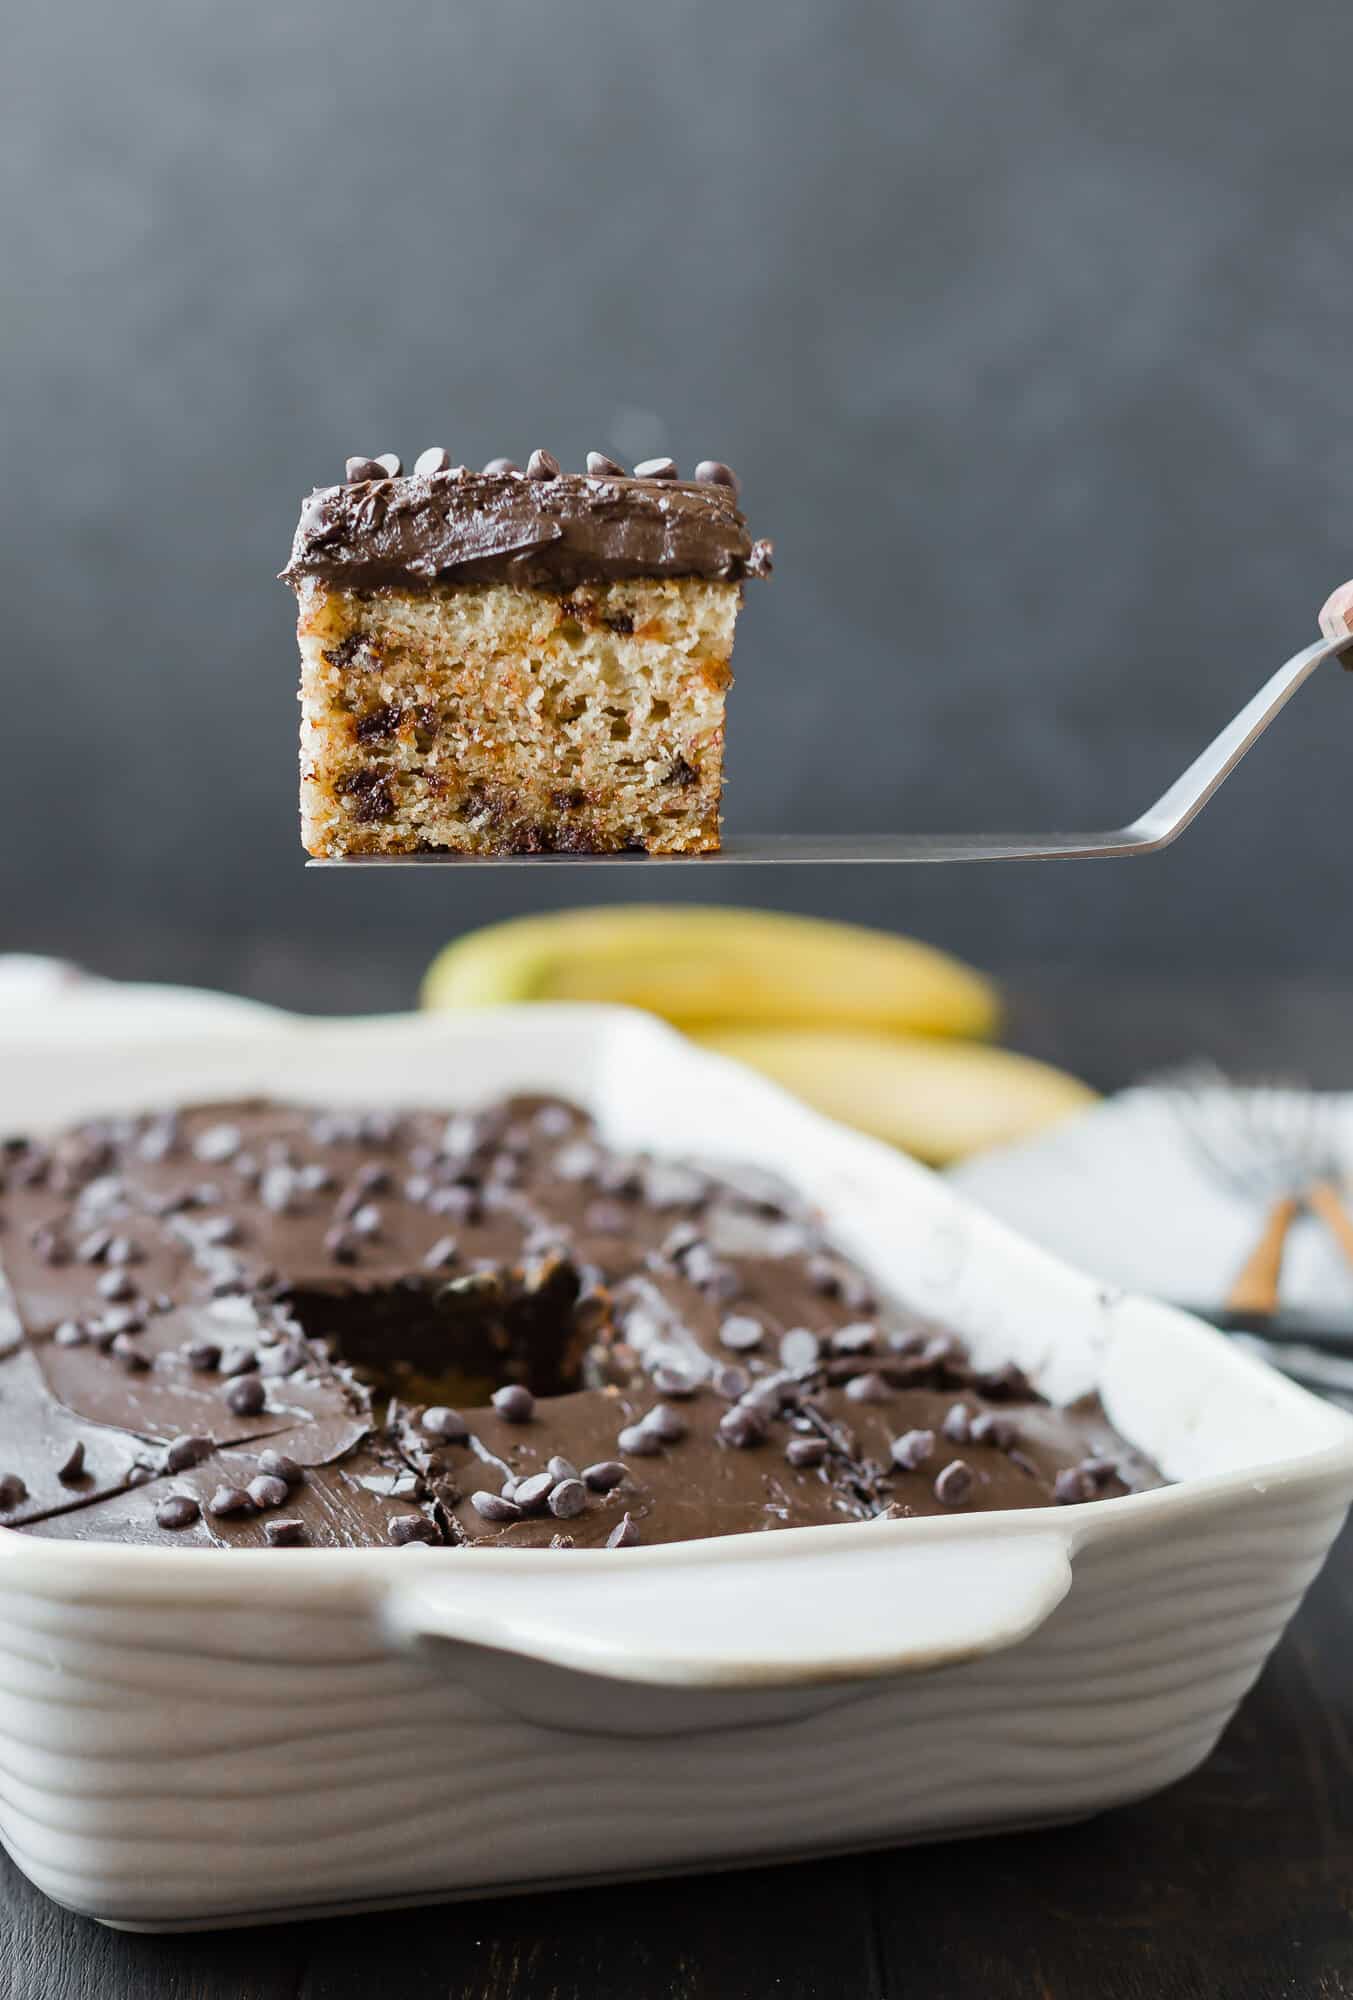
[[1237, 1883]]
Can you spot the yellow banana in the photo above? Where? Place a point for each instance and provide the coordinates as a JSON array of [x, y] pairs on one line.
[[697, 965], [940, 1100]]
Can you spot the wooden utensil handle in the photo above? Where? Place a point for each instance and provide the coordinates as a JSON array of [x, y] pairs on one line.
[[1323, 1199], [1256, 1286]]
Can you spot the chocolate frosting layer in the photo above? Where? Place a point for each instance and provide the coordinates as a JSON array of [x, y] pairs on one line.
[[466, 527], [252, 1324]]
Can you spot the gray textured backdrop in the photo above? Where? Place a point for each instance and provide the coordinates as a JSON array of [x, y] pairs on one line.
[[1027, 323]]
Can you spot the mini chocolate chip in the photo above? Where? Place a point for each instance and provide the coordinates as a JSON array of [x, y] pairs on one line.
[[665, 1423], [178, 1510], [869, 1388], [560, 1469], [92, 1249], [1073, 1485], [203, 1356], [799, 1350], [656, 468], [514, 1403], [230, 1500], [238, 1361], [501, 465], [448, 1426], [494, 1507], [431, 461], [265, 1491], [358, 470], [804, 1452], [366, 1221], [217, 1144], [957, 1425], [568, 1499], [601, 467], [670, 1380], [741, 1333], [70, 1333], [406, 1528], [988, 1428], [73, 1464], [443, 1253], [731, 1381], [531, 1494], [624, 1535], [246, 1395], [1100, 1470], [604, 1476], [742, 1426], [123, 1250], [861, 1337], [285, 1534], [278, 1466], [912, 1449], [391, 464], [340, 1247], [713, 472], [186, 1451], [133, 1358], [542, 465], [954, 1485], [639, 1442]]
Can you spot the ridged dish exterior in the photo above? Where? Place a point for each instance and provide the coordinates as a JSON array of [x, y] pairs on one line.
[[157, 1766], [196, 1738]]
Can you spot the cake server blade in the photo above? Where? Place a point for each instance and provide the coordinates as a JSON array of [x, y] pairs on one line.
[[1151, 831]]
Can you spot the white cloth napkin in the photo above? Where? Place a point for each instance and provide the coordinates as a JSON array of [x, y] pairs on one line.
[[1121, 1192]]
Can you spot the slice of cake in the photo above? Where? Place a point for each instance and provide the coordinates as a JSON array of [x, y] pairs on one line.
[[501, 662]]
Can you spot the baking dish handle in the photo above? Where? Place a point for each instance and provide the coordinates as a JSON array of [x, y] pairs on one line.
[[812, 1622]]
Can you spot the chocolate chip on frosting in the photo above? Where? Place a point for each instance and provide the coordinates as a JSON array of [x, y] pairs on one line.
[[624, 1535], [531, 1494], [954, 1485], [278, 1466], [72, 1465], [246, 1395], [743, 1426], [601, 467], [500, 465], [177, 1510], [288, 1534], [912, 1449], [390, 464], [494, 1507], [184, 1452], [713, 472], [431, 461], [656, 468], [230, 1500], [740, 1333], [265, 1491], [358, 470], [806, 1452], [604, 1476], [568, 1499], [542, 465], [637, 1441], [446, 1425], [869, 1388], [406, 1528], [514, 1403]]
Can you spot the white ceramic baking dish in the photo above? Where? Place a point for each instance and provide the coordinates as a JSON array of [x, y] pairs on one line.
[[195, 1738]]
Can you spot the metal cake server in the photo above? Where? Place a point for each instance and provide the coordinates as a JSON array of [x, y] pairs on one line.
[[1152, 830]]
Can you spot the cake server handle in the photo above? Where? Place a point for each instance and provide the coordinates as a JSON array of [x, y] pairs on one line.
[[720, 1620]]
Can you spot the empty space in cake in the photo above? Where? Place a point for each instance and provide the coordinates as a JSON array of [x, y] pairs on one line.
[[458, 1339]]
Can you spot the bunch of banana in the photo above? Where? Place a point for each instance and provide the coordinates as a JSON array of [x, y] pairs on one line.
[[882, 1032]]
